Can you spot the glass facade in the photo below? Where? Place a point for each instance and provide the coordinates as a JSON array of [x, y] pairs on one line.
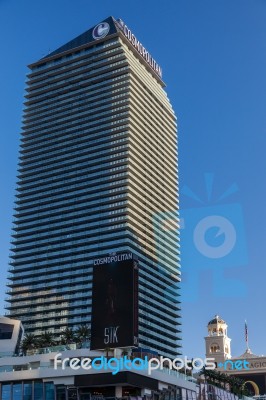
[[29, 390], [97, 175]]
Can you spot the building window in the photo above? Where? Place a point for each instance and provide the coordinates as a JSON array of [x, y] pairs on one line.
[[6, 331], [215, 348], [17, 391], [49, 391], [27, 395], [38, 391], [6, 392]]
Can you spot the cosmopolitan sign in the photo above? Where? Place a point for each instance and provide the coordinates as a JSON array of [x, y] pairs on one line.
[[139, 47], [113, 258]]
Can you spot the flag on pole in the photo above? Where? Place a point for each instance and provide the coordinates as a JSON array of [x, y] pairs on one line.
[[246, 333]]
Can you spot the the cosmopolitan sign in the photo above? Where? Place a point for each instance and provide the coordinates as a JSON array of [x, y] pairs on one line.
[[113, 258], [139, 47]]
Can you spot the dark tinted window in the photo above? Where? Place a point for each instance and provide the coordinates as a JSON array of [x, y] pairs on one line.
[[6, 331]]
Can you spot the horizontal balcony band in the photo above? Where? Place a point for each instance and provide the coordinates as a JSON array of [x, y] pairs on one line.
[[96, 92], [93, 74]]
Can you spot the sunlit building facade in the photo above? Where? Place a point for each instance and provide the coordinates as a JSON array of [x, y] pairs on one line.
[[97, 175]]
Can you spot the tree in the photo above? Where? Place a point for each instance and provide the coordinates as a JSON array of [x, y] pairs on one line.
[[220, 379], [68, 336], [46, 340], [214, 377], [224, 379], [28, 343], [124, 353], [83, 334], [107, 350]]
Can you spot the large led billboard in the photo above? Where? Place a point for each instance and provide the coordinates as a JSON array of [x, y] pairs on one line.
[[114, 321]]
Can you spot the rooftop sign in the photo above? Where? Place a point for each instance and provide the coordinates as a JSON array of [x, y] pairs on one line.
[[139, 47], [100, 30]]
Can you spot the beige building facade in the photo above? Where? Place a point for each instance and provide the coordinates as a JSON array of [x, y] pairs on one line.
[[248, 366]]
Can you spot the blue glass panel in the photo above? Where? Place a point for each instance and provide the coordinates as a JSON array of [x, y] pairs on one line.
[[17, 391], [49, 391], [6, 392], [27, 394], [38, 391]]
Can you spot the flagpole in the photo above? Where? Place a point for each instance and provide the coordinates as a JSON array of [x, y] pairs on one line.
[[246, 334]]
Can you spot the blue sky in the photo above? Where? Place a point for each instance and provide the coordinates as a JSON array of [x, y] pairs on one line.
[[213, 55]]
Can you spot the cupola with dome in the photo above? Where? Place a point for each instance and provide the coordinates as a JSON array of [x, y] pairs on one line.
[[217, 342]]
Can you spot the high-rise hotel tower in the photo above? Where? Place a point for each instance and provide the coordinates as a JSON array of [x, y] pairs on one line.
[[97, 175]]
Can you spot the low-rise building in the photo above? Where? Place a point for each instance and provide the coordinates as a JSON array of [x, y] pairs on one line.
[[218, 346], [11, 332], [50, 376]]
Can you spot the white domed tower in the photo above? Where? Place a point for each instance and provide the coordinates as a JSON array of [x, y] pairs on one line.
[[217, 342]]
